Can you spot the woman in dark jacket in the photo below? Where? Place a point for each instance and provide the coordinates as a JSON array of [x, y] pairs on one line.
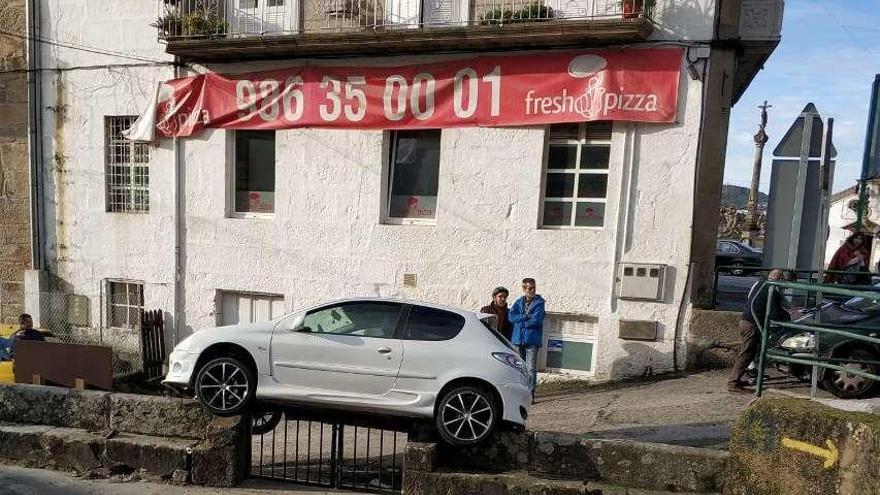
[[498, 307]]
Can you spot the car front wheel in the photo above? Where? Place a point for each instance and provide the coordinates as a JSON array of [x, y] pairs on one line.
[[849, 385], [466, 415], [225, 386]]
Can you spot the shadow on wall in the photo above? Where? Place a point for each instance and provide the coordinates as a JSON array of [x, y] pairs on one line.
[[642, 360], [683, 17]]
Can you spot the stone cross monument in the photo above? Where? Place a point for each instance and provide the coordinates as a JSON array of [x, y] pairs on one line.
[[761, 139]]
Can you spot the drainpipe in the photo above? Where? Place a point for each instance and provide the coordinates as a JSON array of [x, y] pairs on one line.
[[35, 143], [179, 218]]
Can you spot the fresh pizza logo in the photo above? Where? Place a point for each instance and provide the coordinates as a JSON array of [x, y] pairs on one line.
[[596, 101]]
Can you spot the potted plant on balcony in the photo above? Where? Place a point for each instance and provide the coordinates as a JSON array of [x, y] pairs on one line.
[[535, 11], [633, 9], [169, 25], [204, 24]]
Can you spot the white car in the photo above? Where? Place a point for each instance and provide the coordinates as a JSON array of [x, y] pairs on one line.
[[382, 356]]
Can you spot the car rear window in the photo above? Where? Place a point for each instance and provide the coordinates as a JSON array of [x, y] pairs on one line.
[[432, 324], [491, 324]]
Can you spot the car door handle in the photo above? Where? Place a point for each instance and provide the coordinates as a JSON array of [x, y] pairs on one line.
[[383, 350]]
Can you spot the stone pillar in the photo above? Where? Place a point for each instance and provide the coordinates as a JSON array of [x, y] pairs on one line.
[[710, 172], [15, 253], [761, 139]]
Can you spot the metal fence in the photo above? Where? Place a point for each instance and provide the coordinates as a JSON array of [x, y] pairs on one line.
[[329, 453], [68, 318], [249, 18], [819, 356]]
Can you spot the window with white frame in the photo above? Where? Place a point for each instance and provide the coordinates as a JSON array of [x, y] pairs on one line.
[[127, 168], [576, 175], [253, 173], [413, 176], [246, 307], [125, 304]]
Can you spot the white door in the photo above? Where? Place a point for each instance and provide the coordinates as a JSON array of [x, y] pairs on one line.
[[264, 17], [414, 13], [343, 350], [238, 307]]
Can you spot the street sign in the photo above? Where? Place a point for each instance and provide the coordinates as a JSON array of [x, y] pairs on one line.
[[790, 145], [794, 239]]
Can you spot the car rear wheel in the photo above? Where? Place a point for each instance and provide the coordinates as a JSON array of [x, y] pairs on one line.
[[265, 421], [849, 385], [225, 386], [466, 415]]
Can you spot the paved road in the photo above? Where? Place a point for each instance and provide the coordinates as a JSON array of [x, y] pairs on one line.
[[694, 410], [22, 481]]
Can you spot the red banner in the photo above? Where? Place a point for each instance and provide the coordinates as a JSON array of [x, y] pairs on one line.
[[632, 84]]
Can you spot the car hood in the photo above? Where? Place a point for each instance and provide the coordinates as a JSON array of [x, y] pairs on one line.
[[229, 333], [836, 315]]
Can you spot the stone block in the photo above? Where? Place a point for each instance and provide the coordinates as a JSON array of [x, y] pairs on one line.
[[54, 406], [564, 454], [157, 456], [88, 409], [16, 91], [785, 446], [13, 113], [504, 451], [160, 416], [634, 464], [420, 456], [713, 339], [226, 431], [73, 448], [220, 465], [35, 404], [22, 443]]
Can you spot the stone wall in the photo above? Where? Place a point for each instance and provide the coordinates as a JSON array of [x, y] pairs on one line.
[[436, 469], [797, 446], [714, 339], [102, 433], [14, 182]]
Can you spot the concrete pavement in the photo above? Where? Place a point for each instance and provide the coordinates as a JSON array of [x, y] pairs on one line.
[[23, 481]]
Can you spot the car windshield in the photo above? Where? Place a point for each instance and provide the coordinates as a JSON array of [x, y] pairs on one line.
[[863, 303], [490, 322]]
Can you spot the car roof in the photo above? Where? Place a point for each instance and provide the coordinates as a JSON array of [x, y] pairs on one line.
[[452, 309]]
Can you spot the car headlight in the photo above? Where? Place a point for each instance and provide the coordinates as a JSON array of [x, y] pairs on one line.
[[511, 360], [802, 342]]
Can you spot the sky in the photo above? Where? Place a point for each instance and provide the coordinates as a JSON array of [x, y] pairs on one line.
[[829, 54]]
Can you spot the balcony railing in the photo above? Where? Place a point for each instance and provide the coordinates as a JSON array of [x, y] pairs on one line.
[[217, 19]]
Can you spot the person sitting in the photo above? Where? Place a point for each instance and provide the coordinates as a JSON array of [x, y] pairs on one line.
[[26, 331]]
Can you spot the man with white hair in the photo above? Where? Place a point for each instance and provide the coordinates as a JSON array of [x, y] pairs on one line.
[[752, 318]]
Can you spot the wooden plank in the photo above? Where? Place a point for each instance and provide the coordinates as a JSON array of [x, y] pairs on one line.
[[61, 364]]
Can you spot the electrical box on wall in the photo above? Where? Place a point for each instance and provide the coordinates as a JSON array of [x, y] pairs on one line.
[[641, 281]]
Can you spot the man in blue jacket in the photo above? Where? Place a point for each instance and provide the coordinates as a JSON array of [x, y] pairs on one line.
[[527, 317]]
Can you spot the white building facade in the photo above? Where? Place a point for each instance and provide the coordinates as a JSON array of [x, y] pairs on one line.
[[229, 226]]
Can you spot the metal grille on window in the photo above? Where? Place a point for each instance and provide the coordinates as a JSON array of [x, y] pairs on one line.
[[127, 169], [126, 304], [576, 180]]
